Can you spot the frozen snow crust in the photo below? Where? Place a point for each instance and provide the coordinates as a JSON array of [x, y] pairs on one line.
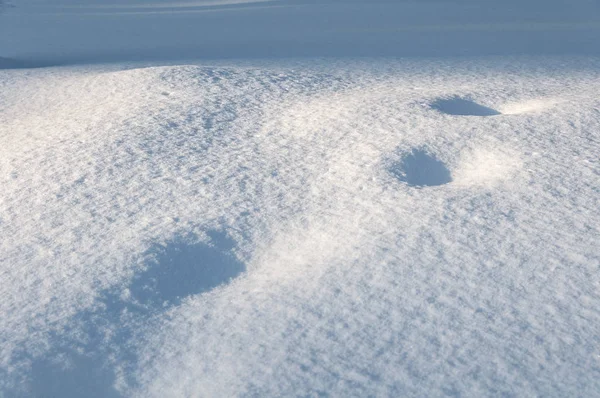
[[267, 230]]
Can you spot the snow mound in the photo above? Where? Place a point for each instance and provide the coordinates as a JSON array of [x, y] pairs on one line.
[[530, 106], [240, 230], [486, 167]]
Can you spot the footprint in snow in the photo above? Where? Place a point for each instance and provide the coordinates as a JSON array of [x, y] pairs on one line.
[[419, 168], [81, 362], [461, 107]]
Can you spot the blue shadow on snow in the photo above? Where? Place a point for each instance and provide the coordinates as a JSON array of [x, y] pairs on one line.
[[418, 168], [82, 360], [462, 107]]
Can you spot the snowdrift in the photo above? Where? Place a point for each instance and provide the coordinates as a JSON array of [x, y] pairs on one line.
[[269, 231]]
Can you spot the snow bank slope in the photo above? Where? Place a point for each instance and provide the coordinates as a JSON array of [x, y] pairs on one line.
[[220, 231]]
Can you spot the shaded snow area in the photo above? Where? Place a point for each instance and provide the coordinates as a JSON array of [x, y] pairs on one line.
[[67, 32], [302, 228]]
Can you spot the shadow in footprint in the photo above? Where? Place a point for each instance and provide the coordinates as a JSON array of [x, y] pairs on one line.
[[462, 107], [181, 269], [418, 168], [80, 376], [82, 362]]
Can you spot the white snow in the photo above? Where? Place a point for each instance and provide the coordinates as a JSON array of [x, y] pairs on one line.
[[535, 105], [354, 284], [487, 166], [346, 226]]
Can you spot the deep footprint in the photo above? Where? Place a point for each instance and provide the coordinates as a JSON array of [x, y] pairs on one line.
[[182, 269], [462, 107], [85, 376], [82, 366], [419, 168]]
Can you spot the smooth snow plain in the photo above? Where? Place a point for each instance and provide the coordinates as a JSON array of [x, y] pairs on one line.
[[301, 226]]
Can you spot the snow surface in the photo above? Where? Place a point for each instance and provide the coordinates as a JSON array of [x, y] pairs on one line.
[[243, 231], [178, 223]]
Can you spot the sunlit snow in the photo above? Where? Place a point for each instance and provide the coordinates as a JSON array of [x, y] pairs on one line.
[[375, 226]]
